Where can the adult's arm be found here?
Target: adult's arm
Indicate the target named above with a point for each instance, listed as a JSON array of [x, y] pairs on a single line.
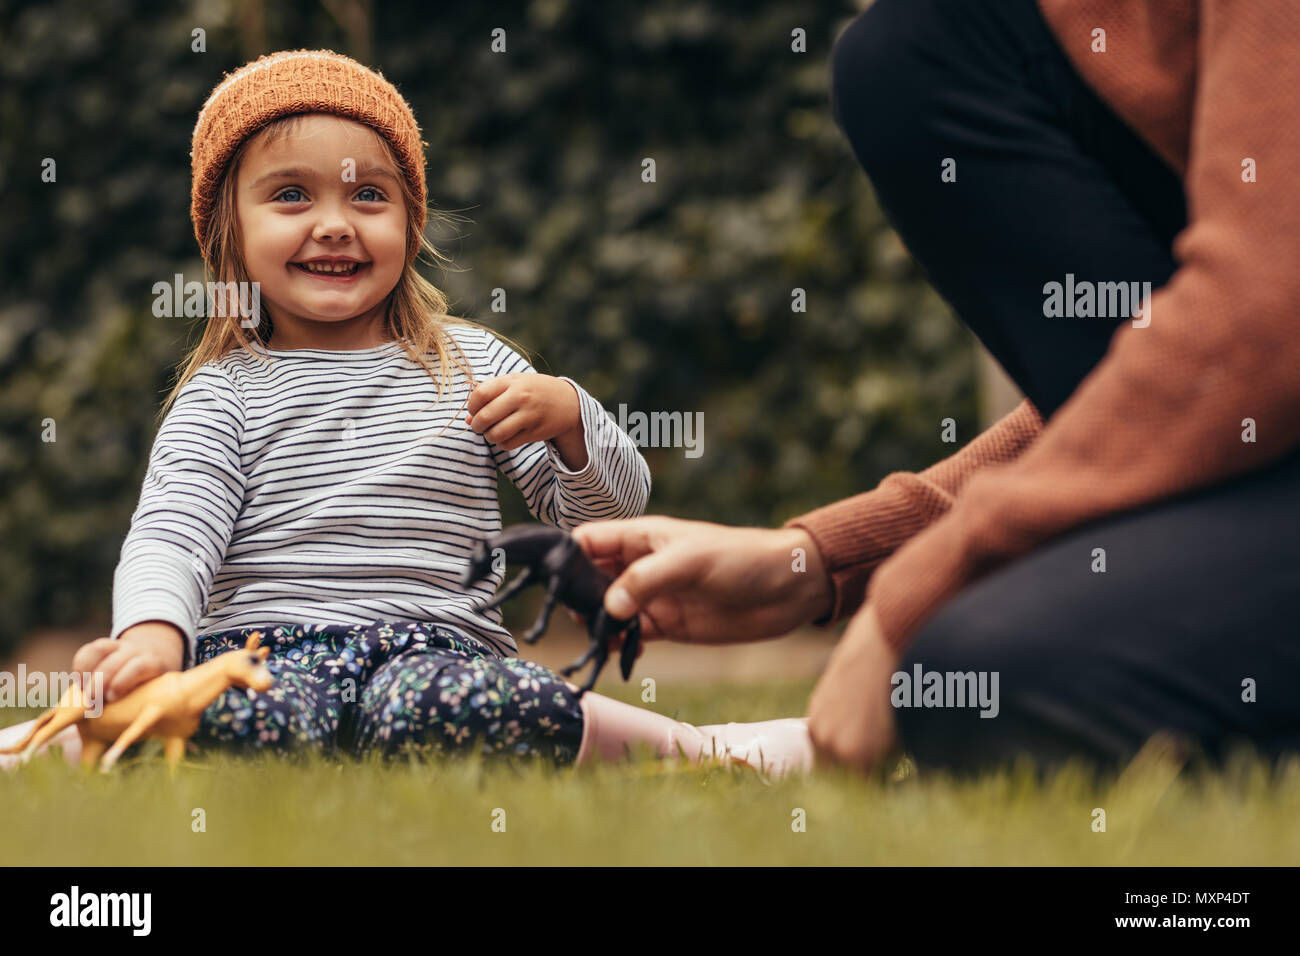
[[855, 535]]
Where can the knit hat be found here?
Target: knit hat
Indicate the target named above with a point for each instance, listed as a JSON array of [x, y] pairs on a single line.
[[298, 81]]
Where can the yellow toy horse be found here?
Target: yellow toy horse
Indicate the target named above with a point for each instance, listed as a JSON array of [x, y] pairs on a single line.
[[169, 706]]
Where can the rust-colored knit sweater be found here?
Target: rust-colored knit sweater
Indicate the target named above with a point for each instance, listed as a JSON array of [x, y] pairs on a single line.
[[1208, 84]]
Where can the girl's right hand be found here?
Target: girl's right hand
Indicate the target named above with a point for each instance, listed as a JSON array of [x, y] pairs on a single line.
[[706, 583], [141, 653]]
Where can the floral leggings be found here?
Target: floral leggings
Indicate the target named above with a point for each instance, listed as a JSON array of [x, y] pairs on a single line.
[[396, 687]]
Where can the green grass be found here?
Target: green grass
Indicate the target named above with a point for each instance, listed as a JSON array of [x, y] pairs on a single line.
[[263, 810]]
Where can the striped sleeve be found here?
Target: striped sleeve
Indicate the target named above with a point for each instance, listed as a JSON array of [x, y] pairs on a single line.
[[192, 493], [615, 482]]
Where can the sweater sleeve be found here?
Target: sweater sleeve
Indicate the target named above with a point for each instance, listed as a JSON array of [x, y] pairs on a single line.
[[1172, 405], [614, 483], [855, 535], [192, 493]]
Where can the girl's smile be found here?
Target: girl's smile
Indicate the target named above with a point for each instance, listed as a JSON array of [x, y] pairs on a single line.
[[337, 271]]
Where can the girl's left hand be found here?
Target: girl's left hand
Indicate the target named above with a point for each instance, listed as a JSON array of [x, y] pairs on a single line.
[[513, 410], [850, 717]]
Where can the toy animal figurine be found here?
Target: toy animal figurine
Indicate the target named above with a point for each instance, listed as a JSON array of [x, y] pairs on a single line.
[[169, 706], [552, 557]]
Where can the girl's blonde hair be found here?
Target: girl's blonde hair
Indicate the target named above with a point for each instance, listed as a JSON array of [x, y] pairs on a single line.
[[417, 310]]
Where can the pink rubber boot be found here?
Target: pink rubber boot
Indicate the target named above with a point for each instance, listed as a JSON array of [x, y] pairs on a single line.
[[776, 747], [68, 738]]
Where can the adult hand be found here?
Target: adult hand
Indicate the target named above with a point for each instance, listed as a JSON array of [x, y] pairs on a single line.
[[706, 583], [850, 717]]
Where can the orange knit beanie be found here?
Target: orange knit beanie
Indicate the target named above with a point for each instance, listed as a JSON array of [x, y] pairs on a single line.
[[298, 81]]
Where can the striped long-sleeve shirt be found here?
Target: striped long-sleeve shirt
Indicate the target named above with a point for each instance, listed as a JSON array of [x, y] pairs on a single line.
[[334, 487]]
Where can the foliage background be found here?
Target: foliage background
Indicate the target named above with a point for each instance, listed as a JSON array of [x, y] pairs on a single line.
[[666, 296]]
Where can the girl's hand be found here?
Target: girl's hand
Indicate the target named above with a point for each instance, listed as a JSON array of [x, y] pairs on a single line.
[[850, 716], [141, 653], [707, 583], [513, 410]]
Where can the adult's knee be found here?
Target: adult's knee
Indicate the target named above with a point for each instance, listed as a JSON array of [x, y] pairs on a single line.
[[879, 72], [931, 725], [984, 686]]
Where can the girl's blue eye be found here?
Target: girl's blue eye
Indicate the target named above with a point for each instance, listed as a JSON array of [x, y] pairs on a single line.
[[379, 196]]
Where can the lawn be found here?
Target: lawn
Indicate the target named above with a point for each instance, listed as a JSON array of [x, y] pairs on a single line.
[[263, 810]]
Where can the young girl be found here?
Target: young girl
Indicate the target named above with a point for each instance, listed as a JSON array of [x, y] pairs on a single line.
[[316, 481]]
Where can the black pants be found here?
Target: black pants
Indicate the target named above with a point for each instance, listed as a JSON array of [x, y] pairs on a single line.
[[1193, 625]]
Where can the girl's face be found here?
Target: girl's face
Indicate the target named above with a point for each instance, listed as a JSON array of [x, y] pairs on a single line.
[[327, 191]]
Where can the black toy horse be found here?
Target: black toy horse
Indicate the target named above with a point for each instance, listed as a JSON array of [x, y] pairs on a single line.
[[552, 557]]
